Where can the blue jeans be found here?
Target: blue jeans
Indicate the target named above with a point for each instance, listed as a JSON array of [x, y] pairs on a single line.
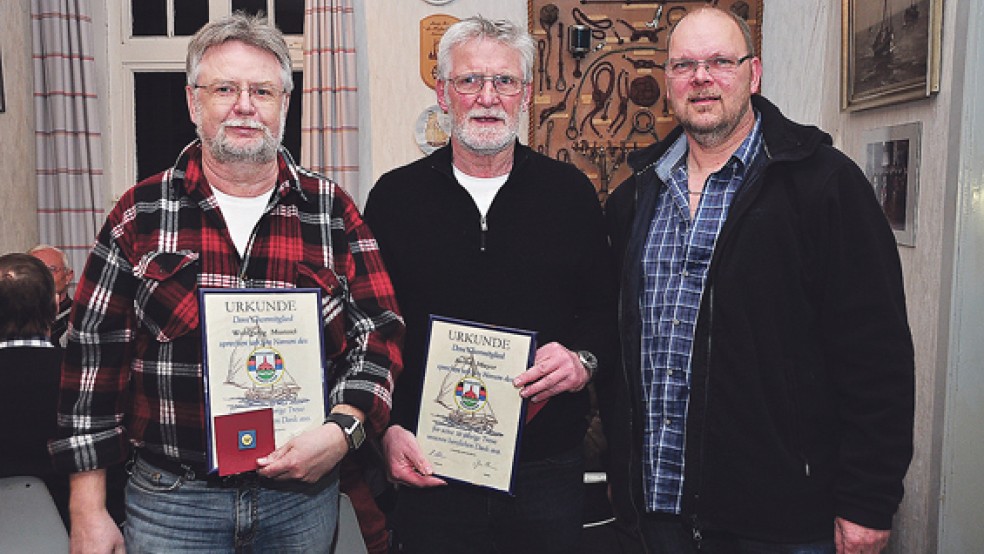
[[671, 535], [166, 512], [544, 515]]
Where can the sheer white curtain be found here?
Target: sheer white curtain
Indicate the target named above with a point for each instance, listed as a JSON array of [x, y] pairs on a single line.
[[68, 135], [330, 102]]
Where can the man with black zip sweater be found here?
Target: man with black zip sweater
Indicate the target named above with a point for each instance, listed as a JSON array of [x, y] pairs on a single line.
[[487, 230], [767, 397]]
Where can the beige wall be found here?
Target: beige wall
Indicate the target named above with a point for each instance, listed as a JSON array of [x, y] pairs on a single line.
[[18, 188]]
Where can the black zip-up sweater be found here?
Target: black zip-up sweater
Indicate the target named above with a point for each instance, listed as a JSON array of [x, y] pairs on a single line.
[[802, 387], [540, 261]]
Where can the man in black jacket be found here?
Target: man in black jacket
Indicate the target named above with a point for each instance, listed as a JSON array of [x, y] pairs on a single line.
[[767, 403], [487, 230]]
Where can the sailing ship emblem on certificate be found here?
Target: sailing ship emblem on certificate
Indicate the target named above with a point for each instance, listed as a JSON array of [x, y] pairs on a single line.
[[471, 415], [262, 351]]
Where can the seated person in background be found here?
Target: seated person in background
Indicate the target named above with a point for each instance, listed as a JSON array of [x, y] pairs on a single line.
[[30, 370], [57, 263]]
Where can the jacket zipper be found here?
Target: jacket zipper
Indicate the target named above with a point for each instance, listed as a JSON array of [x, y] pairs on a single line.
[[694, 522], [625, 376], [485, 230]]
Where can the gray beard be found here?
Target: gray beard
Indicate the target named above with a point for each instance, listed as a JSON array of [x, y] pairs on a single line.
[[486, 148], [709, 137], [224, 152]]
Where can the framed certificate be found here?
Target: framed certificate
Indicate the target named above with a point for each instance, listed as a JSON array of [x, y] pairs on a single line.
[[471, 416], [262, 366]]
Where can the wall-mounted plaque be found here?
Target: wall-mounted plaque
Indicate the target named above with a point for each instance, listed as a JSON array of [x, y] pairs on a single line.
[[432, 28]]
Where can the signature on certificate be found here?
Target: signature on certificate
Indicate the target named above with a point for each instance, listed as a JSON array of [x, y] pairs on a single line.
[[435, 454], [484, 464]]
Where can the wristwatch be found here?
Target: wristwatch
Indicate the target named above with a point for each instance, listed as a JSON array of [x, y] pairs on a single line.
[[355, 433], [589, 361]]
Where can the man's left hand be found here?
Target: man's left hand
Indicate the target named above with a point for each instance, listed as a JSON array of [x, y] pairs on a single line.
[[851, 538], [555, 370], [306, 457]]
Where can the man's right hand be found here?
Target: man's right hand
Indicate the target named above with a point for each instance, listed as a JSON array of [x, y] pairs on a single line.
[[96, 533], [405, 463], [93, 529]]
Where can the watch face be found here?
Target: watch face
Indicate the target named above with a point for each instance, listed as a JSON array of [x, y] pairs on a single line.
[[588, 360], [357, 436]]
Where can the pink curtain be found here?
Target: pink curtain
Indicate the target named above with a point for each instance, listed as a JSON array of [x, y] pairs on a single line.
[[330, 102], [68, 135]]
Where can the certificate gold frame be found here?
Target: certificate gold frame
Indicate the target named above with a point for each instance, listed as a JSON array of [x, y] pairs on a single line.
[[891, 163], [890, 51]]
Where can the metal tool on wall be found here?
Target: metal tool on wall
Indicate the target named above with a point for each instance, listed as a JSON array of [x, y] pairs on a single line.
[[561, 85], [549, 14], [610, 103], [579, 43]]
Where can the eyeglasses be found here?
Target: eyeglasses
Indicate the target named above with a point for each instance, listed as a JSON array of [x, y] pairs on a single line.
[[473, 83], [57, 268], [718, 66], [226, 93]]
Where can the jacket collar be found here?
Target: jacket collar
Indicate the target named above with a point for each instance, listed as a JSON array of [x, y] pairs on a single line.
[[442, 158]]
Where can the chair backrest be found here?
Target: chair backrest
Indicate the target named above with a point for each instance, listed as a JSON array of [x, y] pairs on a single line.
[[348, 539], [29, 521]]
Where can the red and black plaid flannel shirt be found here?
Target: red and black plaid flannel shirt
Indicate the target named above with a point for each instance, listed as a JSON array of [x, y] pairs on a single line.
[[132, 369]]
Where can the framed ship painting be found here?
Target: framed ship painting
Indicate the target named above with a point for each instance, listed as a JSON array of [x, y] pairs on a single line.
[[890, 51]]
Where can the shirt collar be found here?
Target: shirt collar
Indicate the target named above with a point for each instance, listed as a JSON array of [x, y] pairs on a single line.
[[37, 342], [744, 154], [188, 170]]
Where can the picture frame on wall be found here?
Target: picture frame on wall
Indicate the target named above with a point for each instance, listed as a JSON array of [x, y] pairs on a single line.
[[891, 163], [890, 51]]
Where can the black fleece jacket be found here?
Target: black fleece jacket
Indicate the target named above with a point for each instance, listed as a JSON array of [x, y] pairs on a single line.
[[540, 261], [802, 387]]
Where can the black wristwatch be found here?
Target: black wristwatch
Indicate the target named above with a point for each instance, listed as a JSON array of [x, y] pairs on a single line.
[[355, 433], [589, 361]]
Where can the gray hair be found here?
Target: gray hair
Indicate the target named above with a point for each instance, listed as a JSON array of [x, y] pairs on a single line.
[[478, 27], [42, 247], [746, 31], [245, 28]]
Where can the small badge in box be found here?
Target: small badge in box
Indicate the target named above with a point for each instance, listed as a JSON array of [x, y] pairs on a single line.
[[241, 438]]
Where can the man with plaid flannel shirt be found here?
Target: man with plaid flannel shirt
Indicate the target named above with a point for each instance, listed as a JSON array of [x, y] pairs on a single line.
[[234, 211]]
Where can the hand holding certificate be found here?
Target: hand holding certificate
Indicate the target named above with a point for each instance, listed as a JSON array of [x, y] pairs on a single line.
[[263, 371], [471, 415]]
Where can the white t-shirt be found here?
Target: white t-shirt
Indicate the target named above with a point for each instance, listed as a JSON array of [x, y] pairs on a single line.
[[241, 215], [481, 189]]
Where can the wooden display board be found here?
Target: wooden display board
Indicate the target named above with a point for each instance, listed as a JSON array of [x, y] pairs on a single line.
[[598, 90]]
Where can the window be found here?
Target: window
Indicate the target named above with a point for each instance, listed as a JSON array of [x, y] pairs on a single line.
[[176, 18]]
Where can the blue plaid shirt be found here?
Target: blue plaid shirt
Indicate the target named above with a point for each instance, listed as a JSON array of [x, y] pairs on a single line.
[[675, 263]]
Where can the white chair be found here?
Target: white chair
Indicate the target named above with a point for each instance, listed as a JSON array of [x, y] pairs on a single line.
[[29, 521], [348, 539]]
